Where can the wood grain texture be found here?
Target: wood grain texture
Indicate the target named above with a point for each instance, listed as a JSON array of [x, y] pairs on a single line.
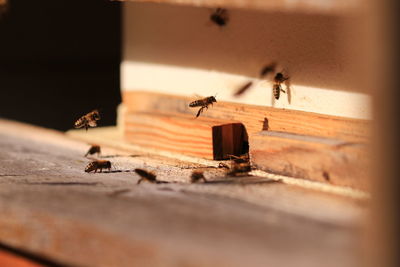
[[308, 6], [202, 137], [320, 159], [253, 117], [49, 206]]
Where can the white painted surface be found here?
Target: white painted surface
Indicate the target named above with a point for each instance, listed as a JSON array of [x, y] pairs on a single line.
[[174, 49], [189, 82]]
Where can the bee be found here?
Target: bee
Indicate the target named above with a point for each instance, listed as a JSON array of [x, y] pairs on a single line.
[[146, 175], [197, 176], [87, 120], [265, 124], [243, 88], [203, 103], [220, 17], [98, 164], [93, 150], [223, 165], [237, 168], [277, 88], [267, 69], [239, 164]]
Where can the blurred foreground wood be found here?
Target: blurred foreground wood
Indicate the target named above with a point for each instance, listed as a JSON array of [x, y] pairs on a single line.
[[52, 208]]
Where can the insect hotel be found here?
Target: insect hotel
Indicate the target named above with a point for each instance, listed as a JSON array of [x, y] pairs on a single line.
[[243, 138]]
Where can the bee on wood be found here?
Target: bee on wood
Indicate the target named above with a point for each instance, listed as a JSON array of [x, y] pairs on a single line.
[[239, 168], [93, 150], [223, 166], [98, 164], [239, 164], [277, 88], [220, 17], [88, 120], [243, 89], [267, 69], [203, 103], [265, 124], [197, 176], [146, 176]]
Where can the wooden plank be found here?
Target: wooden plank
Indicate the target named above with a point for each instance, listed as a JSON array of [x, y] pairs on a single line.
[[52, 208], [315, 6], [320, 159], [253, 117], [202, 137], [10, 259]]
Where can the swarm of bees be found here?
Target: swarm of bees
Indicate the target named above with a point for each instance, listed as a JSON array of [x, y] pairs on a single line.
[[203, 104], [220, 17], [88, 120]]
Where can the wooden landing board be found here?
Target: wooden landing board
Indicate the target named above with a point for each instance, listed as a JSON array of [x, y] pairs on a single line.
[[320, 159], [201, 137], [253, 117], [50, 207]]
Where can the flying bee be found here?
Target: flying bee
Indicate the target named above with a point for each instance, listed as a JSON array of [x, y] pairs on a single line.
[[146, 176], [93, 150], [277, 88], [220, 17], [197, 176], [267, 69], [88, 120], [203, 103], [243, 88], [98, 164]]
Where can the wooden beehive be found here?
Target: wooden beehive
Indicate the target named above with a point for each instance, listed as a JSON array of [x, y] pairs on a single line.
[[173, 52]]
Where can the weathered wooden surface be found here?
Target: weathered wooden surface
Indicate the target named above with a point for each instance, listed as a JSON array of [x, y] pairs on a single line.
[[185, 134], [320, 159], [253, 117], [50, 207]]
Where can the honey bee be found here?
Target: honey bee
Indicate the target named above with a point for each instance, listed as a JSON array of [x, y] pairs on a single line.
[[146, 176], [203, 103], [88, 120], [277, 88], [243, 88], [239, 168], [239, 165], [98, 164], [197, 176], [265, 124], [223, 165], [93, 149], [220, 17], [267, 69]]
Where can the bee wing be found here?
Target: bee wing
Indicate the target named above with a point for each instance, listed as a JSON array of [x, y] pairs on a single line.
[[92, 123], [272, 97]]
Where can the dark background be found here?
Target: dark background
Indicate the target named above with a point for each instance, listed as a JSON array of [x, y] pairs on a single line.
[[59, 59]]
